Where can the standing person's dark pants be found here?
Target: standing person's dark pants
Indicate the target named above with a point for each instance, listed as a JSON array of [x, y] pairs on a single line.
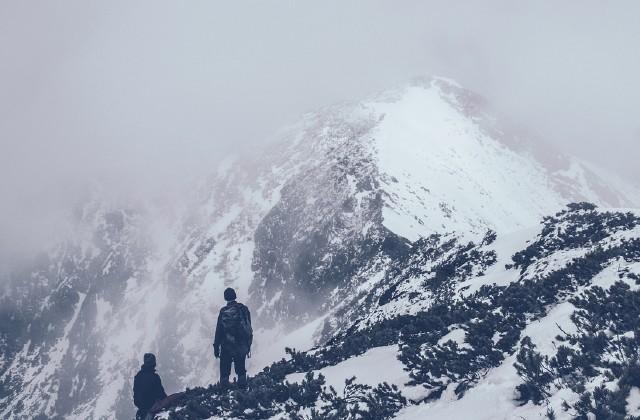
[[227, 357]]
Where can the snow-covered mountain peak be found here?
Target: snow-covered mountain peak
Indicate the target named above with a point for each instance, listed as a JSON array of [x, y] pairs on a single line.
[[443, 164], [442, 172], [359, 217]]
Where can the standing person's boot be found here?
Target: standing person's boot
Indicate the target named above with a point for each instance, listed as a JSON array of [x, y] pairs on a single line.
[[225, 368], [242, 381]]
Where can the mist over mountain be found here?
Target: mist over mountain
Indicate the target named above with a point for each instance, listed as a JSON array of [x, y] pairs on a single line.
[[145, 99]]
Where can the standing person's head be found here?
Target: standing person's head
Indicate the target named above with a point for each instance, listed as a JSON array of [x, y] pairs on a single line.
[[229, 294], [149, 360]]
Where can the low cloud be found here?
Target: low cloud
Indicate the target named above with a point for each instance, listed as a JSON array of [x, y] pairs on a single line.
[[147, 97]]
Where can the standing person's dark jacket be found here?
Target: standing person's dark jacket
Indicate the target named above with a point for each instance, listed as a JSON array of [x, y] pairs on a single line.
[[147, 386], [229, 338]]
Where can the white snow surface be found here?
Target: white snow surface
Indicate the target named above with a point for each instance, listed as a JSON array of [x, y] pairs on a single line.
[[441, 172], [377, 365], [633, 402], [456, 335]]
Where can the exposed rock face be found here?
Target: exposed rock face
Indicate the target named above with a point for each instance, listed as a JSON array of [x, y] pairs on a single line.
[[55, 312]]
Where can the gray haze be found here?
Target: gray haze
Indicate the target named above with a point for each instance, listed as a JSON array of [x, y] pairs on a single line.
[[146, 96]]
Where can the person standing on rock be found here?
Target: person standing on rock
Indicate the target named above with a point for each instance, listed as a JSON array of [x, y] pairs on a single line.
[[147, 387], [233, 338]]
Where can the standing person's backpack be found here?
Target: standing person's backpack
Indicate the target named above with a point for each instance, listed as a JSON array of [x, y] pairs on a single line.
[[236, 321]]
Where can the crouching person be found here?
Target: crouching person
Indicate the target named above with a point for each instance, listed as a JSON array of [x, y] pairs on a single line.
[[147, 387], [233, 339]]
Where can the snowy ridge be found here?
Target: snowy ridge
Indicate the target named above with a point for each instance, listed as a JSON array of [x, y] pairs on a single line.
[[442, 173]]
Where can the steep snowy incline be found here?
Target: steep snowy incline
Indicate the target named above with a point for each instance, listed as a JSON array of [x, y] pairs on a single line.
[[442, 173], [442, 170]]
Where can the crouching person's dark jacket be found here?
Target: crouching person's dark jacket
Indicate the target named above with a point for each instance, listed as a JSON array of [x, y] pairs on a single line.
[[147, 389]]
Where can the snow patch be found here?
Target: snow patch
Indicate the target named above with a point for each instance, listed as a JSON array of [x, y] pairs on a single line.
[[633, 402], [457, 335], [379, 364]]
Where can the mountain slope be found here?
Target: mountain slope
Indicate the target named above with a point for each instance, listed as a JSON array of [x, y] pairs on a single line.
[[329, 233], [559, 338]]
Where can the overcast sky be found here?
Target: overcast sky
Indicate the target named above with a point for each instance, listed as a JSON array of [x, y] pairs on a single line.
[[147, 95]]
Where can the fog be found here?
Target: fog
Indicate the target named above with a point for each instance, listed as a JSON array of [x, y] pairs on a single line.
[[144, 98]]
